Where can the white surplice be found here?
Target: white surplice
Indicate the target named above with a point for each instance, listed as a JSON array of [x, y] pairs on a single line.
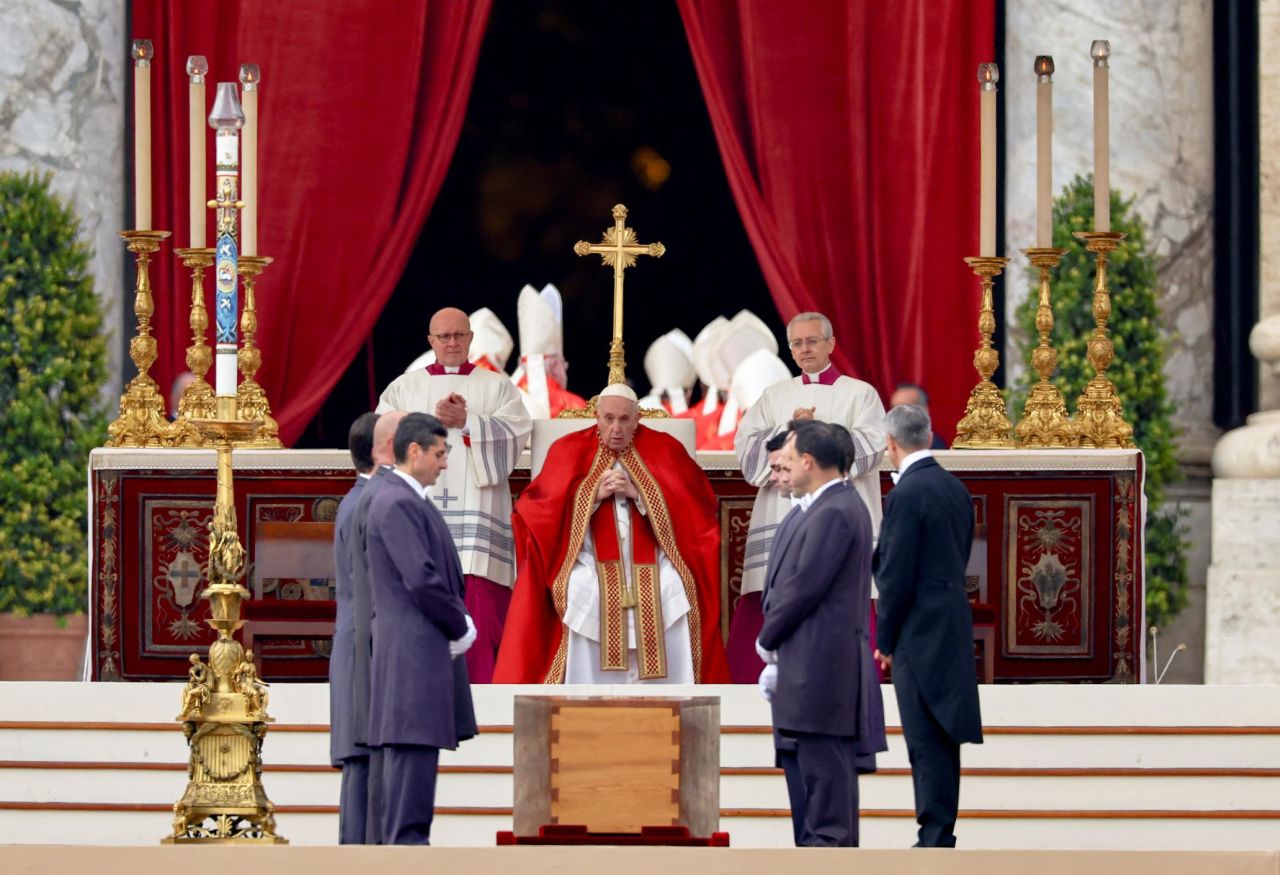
[[472, 493]]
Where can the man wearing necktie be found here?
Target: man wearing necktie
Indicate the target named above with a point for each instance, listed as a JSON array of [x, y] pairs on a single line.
[[819, 393], [827, 696]]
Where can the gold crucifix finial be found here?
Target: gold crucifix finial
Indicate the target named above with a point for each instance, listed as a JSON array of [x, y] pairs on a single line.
[[618, 250]]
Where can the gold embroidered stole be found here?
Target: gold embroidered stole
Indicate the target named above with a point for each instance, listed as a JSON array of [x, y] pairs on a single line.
[[644, 594]]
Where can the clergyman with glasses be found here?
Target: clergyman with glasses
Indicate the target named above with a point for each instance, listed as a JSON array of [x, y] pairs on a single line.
[[819, 392], [488, 428]]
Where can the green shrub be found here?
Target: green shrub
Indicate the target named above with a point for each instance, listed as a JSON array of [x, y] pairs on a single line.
[[1137, 370], [54, 365]]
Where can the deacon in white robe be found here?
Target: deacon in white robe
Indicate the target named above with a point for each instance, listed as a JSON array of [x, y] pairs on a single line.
[[820, 392], [488, 429]]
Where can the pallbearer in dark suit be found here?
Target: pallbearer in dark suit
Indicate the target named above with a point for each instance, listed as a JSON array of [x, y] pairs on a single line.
[[344, 752], [420, 628], [818, 587], [926, 626]]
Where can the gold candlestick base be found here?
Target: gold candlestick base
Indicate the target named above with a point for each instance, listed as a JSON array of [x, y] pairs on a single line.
[[1045, 422], [1100, 419], [250, 396], [142, 421], [224, 704], [985, 424]]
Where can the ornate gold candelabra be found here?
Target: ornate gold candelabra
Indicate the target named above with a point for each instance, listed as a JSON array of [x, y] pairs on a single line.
[[197, 398], [1099, 416], [142, 421], [251, 398], [1045, 422], [985, 424], [224, 704]]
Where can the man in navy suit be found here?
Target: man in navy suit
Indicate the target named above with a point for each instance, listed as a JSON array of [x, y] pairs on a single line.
[[420, 628], [816, 607], [344, 752], [925, 627]]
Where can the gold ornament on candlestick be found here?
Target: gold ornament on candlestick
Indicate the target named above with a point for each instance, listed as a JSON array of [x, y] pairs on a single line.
[[251, 398], [224, 704], [985, 424], [618, 249], [1099, 414], [142, 421], [197, 398], [1045, 422]]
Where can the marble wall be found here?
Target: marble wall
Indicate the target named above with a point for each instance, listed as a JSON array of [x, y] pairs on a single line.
[[1161, 154], [1269, 193], [62, 111]]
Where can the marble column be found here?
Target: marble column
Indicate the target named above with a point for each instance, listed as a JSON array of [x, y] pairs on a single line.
[[62, 111], [1243, 608]]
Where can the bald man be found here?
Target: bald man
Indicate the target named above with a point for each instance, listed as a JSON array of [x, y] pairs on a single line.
[[488, 429]]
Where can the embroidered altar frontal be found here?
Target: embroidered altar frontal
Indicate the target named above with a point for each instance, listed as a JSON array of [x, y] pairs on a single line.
[[1055, 574]]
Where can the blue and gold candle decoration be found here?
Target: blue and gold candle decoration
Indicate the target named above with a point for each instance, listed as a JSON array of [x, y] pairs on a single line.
[[226, 119]]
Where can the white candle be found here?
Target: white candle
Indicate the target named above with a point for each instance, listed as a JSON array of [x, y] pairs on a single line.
[[988, 76], [142, 53], [1044, 151], [197, 67], [250, 79], [1101, 51]]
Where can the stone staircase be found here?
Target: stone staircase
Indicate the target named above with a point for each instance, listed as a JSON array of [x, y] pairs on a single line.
[[1105, 767]]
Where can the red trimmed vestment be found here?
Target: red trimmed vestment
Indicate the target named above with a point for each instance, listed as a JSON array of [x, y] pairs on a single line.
[[552, 519]]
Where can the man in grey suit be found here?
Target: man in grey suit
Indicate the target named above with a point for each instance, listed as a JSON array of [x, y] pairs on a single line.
[[818, 587], [420, 628], [344, 752], [925, 630]]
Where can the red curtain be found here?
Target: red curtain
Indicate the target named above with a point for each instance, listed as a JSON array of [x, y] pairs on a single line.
[[361, 106], [849, 133]]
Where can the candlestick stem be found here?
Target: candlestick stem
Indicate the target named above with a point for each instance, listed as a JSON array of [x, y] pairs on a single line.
[[985, 424], [1045, 422], [251, 397], [1099, 414], [142, 421]]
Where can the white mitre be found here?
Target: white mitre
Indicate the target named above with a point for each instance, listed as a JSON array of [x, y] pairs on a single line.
[[540, 320], [705, 363], [745, 335], [668, 363], [760, 371], [490, 339], [619, 390]]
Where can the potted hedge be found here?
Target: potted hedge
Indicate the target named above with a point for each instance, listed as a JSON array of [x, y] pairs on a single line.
[[1137, 371], [55, 362]]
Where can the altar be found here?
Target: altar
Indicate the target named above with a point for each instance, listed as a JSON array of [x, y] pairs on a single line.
[[1055, 575]]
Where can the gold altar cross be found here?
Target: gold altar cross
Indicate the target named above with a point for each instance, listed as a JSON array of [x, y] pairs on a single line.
[[618, 250]]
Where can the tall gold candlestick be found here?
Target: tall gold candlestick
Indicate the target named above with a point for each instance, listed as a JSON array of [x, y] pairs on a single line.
[[1099, 414], [142, 421], [251, 397], [985, 424], [1045, 422], [197, 398]]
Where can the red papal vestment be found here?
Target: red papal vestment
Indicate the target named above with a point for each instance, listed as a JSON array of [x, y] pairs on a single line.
[[551, 521]]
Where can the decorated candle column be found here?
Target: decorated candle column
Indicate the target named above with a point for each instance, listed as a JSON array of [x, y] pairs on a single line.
[[226, 119]]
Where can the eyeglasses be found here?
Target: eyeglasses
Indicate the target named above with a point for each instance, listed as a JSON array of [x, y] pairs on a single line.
[[452, 337], [806, 342]]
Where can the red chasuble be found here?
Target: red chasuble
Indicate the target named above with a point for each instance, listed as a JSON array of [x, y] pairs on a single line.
[[551, 520]]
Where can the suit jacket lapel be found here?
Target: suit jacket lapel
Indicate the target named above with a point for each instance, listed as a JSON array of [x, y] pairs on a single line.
[[781, 541]]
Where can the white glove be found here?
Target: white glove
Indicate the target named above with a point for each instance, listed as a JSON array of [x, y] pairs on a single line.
[[463, 644], [768, 681], [768, 657]]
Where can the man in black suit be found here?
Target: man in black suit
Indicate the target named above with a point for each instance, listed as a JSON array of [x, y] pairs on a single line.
[[420, 629], [925, 624], [344, 752], [818, 592]]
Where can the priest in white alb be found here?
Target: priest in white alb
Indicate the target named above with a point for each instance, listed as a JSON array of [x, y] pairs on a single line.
[[820, 392], [488, 429]]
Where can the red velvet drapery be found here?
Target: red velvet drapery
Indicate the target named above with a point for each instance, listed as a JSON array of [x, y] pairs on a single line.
[[849, 133], [361, 106]]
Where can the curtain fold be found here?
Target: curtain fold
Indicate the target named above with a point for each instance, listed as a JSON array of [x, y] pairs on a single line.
[[362, 103], [849, 135]]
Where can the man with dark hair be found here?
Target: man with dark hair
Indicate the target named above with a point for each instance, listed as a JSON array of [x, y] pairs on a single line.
[[420, 628], [926, 626], [344, 752], [816, 603], [914, 394]]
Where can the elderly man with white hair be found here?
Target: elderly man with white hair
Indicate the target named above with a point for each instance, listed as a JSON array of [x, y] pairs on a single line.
[[618, 547]]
